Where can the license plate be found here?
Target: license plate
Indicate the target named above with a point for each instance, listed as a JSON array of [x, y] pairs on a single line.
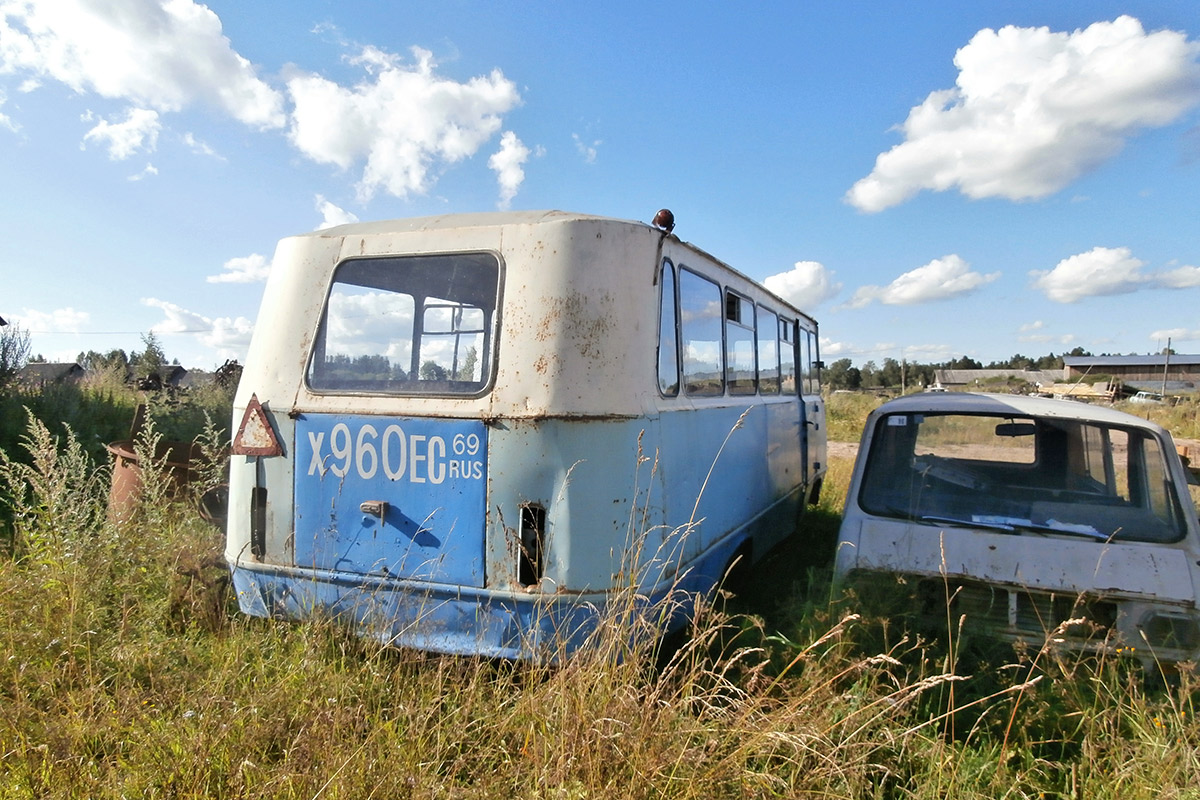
[[391, 496]]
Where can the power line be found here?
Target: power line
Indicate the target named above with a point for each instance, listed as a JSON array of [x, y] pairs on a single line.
[[118, 333]]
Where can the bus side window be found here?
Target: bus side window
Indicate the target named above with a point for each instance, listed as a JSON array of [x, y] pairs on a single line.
[[739, 344], [668, 334], [700, 314], [787, 356], [768, 351]]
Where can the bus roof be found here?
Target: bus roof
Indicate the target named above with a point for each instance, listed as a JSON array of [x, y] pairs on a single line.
[[482, 219], [487, 219]]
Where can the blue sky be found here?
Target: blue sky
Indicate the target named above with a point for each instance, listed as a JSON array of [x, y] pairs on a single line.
[[929, 179]]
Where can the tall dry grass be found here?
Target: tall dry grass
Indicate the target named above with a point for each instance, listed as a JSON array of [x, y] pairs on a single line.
[[125, 671], [1181, 418]]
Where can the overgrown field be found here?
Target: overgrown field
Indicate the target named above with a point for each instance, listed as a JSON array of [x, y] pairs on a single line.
[[125, 671]]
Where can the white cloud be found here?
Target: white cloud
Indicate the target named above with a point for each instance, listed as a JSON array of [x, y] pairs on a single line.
[[1179, 278], [157, 54], [929, 353], [147, 171], [588, 151], [200, 148], [404, 123], [1034, 109], [830, 348], [5, 120], [1099, 271], [137, 132], [60, 320], [229, 336], [247, 269], [941, 279], [806, 285], [1107, 271], [1177, 335], [1029, 333], [178, 319], [506, 163], [332, 215], [1046, 338]]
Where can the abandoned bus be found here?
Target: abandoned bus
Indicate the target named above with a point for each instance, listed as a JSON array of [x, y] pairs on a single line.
[[468, 433]]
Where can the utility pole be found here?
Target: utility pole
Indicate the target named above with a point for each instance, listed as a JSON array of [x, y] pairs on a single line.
[[1166, 366]]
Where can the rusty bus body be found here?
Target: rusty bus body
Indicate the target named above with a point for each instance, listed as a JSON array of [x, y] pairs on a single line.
[[468, 433]]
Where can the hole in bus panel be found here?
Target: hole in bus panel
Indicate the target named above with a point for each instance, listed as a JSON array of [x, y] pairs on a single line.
[[530, 562], [409, 325]]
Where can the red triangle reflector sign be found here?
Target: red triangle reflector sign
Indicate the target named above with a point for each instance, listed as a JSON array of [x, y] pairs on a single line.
[[255, 436]]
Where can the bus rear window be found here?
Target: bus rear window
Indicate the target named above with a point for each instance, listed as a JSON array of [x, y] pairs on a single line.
[[409, 325]]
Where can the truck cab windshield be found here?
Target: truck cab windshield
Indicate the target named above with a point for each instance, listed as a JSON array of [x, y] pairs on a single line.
[[1022, 474]]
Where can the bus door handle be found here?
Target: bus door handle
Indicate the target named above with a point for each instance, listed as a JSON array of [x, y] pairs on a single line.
[[374, 508]]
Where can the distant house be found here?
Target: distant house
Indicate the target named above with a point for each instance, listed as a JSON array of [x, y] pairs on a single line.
[[42, 373], [168, 376], [1180, 372], [194, 379], [173, 375]]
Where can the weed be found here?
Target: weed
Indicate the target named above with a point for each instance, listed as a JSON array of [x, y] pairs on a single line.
[[114, 688]]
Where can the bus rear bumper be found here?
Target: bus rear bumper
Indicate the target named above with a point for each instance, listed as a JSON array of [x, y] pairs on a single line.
[[462, 620]]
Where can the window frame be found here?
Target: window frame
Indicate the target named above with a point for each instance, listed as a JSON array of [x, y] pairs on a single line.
[[734, 386], [489, 349], [762, 335], [720, 320], [667, 267]]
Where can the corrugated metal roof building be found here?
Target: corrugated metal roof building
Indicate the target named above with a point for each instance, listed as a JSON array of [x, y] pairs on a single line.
[[1180, 371]]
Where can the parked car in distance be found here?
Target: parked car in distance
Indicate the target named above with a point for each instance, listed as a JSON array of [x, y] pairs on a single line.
[[1146, 397]]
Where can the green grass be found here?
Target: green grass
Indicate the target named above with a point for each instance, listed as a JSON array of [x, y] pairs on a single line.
[[1182, 418], [845, 413], [125, 671]]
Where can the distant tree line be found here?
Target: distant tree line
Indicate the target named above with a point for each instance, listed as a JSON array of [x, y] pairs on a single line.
[[892, 374], [148, 361]]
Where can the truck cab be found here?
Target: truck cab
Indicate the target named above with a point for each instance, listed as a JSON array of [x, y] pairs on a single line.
[[1034, 519]]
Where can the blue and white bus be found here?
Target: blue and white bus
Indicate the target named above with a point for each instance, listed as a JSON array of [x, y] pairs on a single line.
[[468, 433]]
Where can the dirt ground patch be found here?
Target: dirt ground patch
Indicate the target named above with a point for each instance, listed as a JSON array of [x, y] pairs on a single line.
[[847, 450]]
